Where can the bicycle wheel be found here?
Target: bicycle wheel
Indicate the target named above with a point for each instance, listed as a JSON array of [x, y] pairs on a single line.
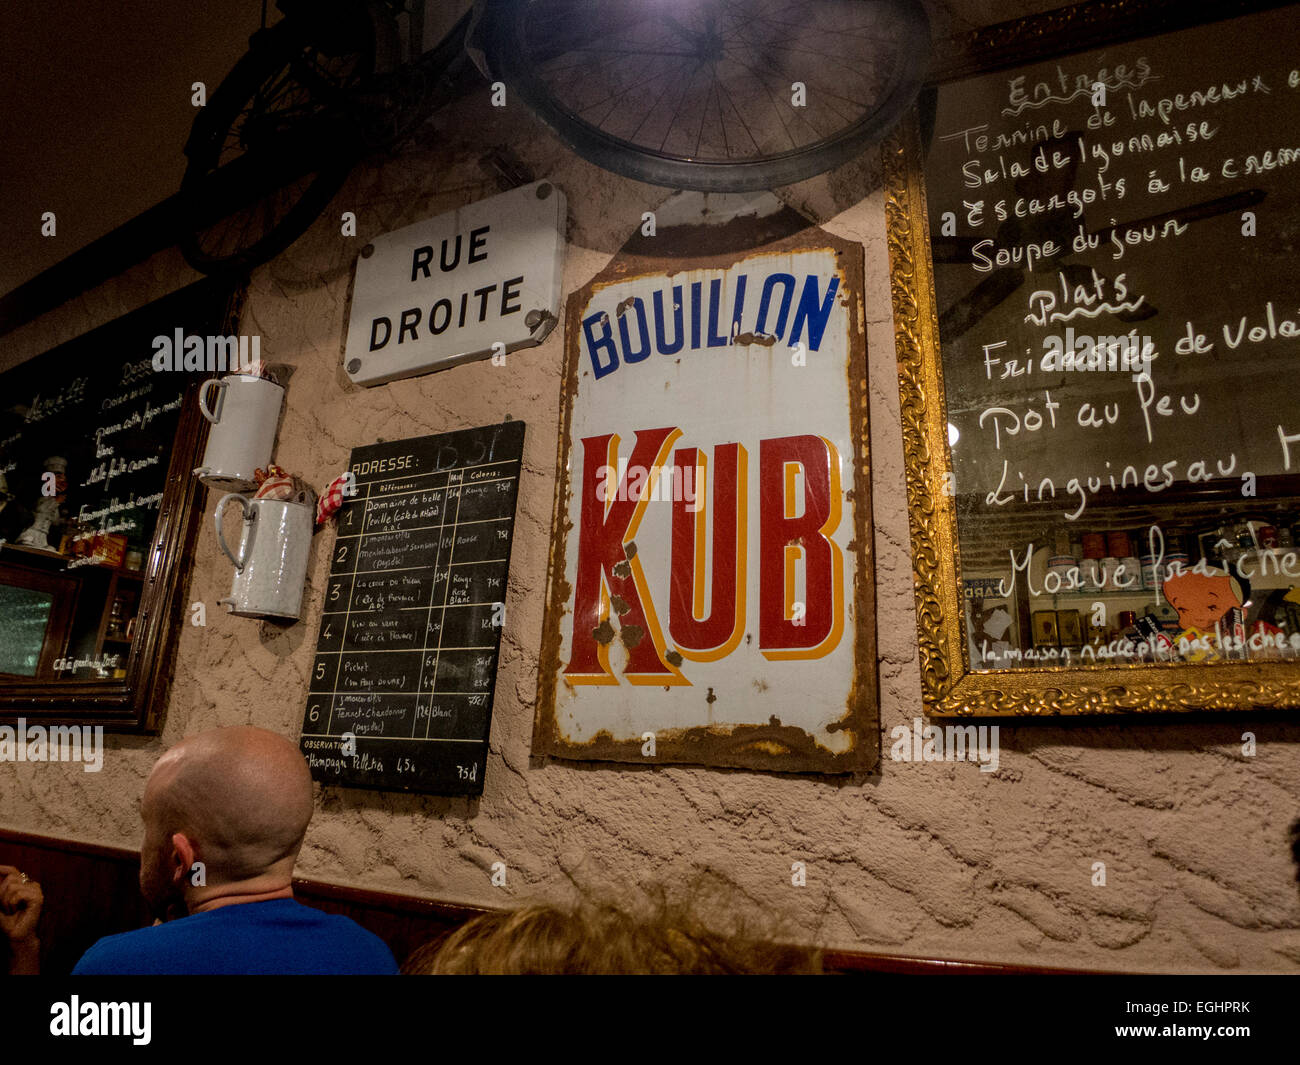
[[707, 94], [270, 150]]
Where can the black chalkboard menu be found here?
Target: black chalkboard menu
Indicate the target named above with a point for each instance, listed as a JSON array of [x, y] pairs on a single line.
[[96, 412], [1114, 237], [401, 687]]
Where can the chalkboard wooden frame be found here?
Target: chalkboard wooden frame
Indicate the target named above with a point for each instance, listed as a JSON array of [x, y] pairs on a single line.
[[135, 703], [348, 745], [949, 687]]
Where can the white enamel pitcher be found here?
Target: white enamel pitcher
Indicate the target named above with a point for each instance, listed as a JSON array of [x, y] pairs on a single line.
[[271, 564], [244, 416]]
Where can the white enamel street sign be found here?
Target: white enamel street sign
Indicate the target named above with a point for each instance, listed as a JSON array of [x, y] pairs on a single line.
[[470, 284]]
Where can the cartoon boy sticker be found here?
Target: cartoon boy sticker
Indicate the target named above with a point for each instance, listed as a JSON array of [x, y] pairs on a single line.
[[1209, 605]]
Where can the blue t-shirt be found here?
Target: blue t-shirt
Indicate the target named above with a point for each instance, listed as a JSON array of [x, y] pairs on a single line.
[[278, 937]]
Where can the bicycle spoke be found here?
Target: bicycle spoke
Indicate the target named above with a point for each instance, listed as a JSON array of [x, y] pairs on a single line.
[[649, 111], [624, 92], [776, 107], [791, 49], [270, 95], [838, 31], [704, 114], [740, 115], [582, 65], [823, 97], [614, 53], [792, 46], [677, 110]]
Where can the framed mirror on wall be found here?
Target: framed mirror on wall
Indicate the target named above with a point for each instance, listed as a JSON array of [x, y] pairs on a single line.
[[1093, 218], [99, 511]]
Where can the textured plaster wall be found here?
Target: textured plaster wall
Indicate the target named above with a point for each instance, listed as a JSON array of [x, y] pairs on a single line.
[[927, 859]]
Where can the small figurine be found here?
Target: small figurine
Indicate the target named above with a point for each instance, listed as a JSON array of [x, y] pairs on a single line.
[[48, 509], [14, 517]]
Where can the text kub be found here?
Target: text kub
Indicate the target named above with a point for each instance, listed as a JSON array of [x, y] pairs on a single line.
[[800, 567]]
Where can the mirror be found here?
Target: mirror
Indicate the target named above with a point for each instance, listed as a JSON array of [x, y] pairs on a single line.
[[98, 514], [1099, 337]]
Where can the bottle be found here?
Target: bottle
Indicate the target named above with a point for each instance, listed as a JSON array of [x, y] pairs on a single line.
[[116, 618]]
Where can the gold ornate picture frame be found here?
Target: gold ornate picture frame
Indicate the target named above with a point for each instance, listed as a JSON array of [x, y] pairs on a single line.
[[951, 685]]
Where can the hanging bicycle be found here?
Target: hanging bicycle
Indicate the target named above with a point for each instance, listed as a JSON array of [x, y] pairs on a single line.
[[714, 95]]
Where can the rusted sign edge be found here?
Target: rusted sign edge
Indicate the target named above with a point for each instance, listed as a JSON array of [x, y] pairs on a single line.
[[773, 747]]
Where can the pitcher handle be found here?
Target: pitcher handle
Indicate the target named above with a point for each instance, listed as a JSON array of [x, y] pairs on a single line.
[[204, 409], [221, 505]]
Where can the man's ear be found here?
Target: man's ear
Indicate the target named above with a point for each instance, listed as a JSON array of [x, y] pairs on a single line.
[[182, 856]]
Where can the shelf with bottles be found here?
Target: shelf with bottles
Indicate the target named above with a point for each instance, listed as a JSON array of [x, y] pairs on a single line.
[[1054, 576], [48, 558], [1233, 571], [117, 623], [1083, 595], [1265, 567]]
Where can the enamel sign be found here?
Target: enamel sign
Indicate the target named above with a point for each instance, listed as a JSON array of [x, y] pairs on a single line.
[[711, 595], [474, 283]]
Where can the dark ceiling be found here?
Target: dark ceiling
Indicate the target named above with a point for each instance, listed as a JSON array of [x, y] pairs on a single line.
[[96, 106], [94, 109]]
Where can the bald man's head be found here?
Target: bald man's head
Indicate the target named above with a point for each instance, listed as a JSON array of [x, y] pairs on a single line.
[[241, 796]]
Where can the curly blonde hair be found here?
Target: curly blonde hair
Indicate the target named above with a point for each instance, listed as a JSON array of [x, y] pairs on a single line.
[[603, 938]]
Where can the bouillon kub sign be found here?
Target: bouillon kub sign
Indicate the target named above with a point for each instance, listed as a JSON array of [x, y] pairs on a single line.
[[711, 595]]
